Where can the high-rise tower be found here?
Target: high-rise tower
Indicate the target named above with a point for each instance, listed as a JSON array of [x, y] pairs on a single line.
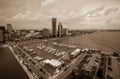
[[60, 29], [54, 22]]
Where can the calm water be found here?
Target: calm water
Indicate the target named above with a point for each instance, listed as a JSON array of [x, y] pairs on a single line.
[[9, 67]]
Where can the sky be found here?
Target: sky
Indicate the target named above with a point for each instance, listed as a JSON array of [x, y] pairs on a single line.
[[74, 14]]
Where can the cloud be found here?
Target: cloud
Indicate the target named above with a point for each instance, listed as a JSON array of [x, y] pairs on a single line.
[[95, 12], [40, 12], [101, 11], [98, 9], [21, 15], [26, 16], [110, 10], [109, 21], [47, 2]]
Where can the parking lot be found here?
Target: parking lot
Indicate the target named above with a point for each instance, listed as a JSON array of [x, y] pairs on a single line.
[[36, 55], [48, 50]]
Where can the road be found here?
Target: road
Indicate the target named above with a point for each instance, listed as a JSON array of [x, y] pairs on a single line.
[[72, 66], [9, 66]]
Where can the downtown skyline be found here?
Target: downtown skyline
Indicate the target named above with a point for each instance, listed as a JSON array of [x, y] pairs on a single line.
[[74, 14]]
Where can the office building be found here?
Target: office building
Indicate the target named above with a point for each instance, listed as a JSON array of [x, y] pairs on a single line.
[[65, 31], [46, 33], [10, 31], [9, 28], [54, 22], [2, 34], [60, 29]]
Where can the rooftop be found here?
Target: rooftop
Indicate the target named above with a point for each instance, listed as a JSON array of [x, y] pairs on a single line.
[[53, 62], [9, 66], [114, 69], [76, 51], [91, 62]]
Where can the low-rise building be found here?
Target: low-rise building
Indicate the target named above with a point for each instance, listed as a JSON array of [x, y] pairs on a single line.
[[90, 67], [75, 53], [53, 62], [38, 58], [46, 33], [53, 66], [65, 32]]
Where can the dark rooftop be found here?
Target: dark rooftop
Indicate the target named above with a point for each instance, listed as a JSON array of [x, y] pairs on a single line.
[[9, 66]]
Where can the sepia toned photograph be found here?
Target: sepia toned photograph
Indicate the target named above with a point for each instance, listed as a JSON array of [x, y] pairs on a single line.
[[59, 39]]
